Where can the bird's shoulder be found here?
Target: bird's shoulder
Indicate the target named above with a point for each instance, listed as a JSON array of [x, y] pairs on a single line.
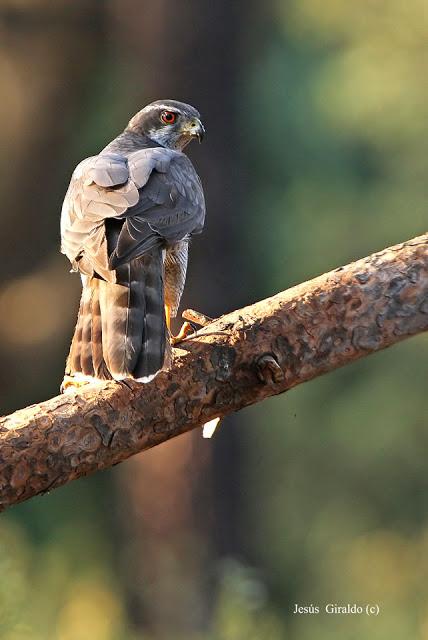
[[157, 188], [111, 169]]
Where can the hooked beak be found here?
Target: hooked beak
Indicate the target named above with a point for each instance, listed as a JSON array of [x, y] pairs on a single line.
[[196, 130], [200, 132]]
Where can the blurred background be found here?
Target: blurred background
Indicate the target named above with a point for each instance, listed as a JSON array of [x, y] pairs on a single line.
[[316, 155]]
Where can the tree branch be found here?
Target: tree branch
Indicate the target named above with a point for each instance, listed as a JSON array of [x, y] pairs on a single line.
[[241, 358]]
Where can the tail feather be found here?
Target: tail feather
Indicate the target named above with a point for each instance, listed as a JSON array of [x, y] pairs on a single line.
[[86, 365], [98, 362], [73, 360], [151, 356], [114, 301], [121, 330]]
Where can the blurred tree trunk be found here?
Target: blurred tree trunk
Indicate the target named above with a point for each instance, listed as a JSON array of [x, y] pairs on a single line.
[[187, 51], [44, 91], [43, 94]]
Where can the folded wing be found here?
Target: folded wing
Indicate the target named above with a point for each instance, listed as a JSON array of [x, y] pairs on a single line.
[[119, 207]]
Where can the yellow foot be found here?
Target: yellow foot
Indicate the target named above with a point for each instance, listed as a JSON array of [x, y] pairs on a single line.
[[73, 383], [186, 330], [194, 317]]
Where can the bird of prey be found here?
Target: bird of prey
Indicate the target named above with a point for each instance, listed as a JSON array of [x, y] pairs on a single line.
[[126, 222]]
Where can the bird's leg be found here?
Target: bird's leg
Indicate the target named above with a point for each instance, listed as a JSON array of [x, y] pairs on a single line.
[[185, 330], [192, 318], [168, 317], [202, 320]]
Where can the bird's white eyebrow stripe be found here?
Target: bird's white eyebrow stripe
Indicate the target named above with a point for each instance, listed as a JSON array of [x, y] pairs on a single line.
[[161, 106]]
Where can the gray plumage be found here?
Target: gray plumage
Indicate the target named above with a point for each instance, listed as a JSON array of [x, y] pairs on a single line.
[[126, 221]]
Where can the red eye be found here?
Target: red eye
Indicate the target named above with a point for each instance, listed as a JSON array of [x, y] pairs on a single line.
[[168, 117]]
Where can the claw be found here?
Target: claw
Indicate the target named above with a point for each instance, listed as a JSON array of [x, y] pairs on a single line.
[[186, 330], [73, 383]]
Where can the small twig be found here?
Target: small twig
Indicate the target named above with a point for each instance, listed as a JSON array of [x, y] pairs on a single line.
[[197, 317]]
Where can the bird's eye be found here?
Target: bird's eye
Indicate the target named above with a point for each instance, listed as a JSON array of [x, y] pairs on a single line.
[[168, 117]]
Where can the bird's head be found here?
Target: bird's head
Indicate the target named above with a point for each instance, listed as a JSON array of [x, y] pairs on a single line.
[[170, 123]]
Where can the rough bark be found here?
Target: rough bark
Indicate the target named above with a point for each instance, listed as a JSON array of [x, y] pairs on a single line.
[[241, 358]]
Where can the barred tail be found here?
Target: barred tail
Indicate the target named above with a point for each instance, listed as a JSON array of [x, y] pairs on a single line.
[[121, 329]]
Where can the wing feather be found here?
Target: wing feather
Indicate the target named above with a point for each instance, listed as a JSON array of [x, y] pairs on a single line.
[[155, 193]]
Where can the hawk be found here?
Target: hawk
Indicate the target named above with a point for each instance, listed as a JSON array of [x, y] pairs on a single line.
[[126, 222]]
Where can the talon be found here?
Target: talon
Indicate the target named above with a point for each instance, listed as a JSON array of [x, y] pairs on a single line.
[[76, 382], [186, 330]]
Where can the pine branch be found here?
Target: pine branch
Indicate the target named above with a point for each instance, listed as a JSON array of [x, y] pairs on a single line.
[[238, 360]]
